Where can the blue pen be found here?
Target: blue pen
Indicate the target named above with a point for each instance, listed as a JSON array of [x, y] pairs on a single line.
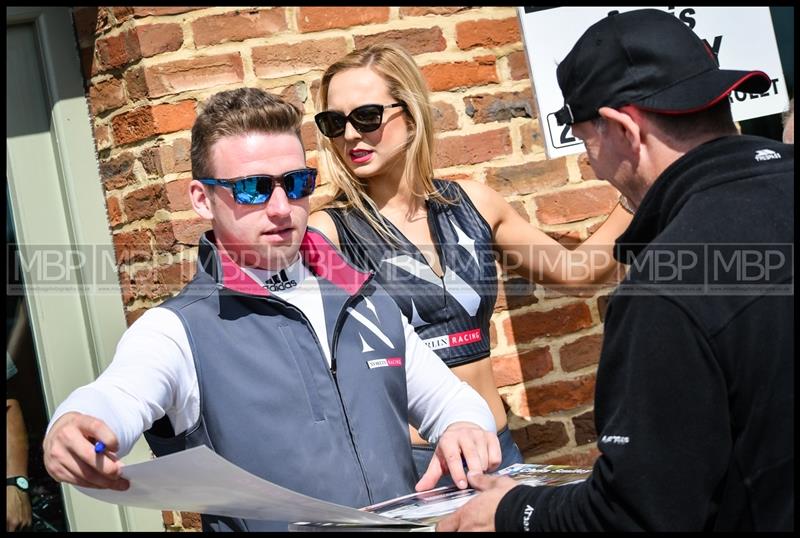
[[99, 447]]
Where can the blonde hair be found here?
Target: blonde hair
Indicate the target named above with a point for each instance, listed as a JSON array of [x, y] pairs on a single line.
[[406, 84]]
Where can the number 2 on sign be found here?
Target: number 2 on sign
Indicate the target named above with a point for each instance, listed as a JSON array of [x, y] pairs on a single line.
[[566, 135]]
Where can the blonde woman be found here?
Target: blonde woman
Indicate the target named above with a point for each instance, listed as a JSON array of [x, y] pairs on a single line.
[[431, 243]]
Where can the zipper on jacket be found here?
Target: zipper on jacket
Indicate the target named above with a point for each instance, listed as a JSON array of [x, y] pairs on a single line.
[[336, 330], [332, 370]]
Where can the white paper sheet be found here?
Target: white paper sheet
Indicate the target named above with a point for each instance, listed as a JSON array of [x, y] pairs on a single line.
[[199, 480]]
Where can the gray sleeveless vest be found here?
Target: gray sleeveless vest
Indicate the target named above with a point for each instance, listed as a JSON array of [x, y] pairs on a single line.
[[270, 404]]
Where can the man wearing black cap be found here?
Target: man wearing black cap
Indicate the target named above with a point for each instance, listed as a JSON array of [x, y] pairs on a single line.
[[694, 403]]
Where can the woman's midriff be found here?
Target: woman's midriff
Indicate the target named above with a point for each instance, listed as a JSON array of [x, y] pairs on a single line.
[[480, 377]]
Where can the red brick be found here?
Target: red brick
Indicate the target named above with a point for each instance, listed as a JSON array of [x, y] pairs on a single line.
[[135, 83], [168, 118], [314, 90], [531, 137], [602, 306], [493, 334], [422, 11], [472, 149], [168, 517], [85, 19], [106, 95], [191, 520], [414, 40], [445, 117], [126, 286], [457, 177], [542, 400], [163, 158], [519, 207], [584, 428], [286, 59], [164, 237], [133, 126], [143, 203], [581, 353], [118, 172], [314, 19], [122, 14], [147, 11], [538, 439], [177, 275], [487, 33], [295, 94], [238, 25], [521, 328], [194, 74], [146, 284], [151, 160], [132, 246], [308, 134], [115, 217], [159, 38], [116, 51], [522, 366], [514, 293], [518, 65], [522, 179], [573, 205], [178, 194], [132, 315], [188, 231], [157, 282], [585, 458], [503, 106], [587, 172], [181, 155], [453, 75], [102, 136], [104, 19]]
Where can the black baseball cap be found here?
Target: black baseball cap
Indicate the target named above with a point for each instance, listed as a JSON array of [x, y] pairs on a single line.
[[649, 59]]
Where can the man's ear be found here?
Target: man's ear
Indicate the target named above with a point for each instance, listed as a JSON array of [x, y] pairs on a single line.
[[626, 123], [201, 202]]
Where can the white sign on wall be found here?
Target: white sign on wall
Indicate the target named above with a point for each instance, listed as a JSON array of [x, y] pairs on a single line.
[[742, 38]]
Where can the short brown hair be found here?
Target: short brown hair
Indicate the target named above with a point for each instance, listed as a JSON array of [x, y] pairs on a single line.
[[236, 112]]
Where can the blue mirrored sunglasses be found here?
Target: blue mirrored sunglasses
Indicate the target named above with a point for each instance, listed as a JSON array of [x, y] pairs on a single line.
[[253, 190]]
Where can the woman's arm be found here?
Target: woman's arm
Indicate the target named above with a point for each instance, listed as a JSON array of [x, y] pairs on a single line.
[[533, 254]]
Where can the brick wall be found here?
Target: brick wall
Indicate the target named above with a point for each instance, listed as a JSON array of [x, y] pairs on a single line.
[[146, 70]]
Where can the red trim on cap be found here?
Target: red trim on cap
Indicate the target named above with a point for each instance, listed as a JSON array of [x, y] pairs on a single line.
[[710, 103]]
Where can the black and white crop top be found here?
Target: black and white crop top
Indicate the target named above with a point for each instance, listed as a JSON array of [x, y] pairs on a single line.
[[450, 313]]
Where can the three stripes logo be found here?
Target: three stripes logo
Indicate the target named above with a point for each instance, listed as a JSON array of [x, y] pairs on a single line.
[[280, 282]]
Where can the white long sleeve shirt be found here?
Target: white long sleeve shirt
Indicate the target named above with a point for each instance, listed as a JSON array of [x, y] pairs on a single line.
[[153, 374]]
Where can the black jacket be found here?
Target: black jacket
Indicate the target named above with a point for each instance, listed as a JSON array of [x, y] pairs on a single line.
[[694, 402]]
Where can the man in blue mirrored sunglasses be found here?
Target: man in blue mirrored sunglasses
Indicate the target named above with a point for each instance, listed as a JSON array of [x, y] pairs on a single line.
[[287, 360], [257, 189]]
